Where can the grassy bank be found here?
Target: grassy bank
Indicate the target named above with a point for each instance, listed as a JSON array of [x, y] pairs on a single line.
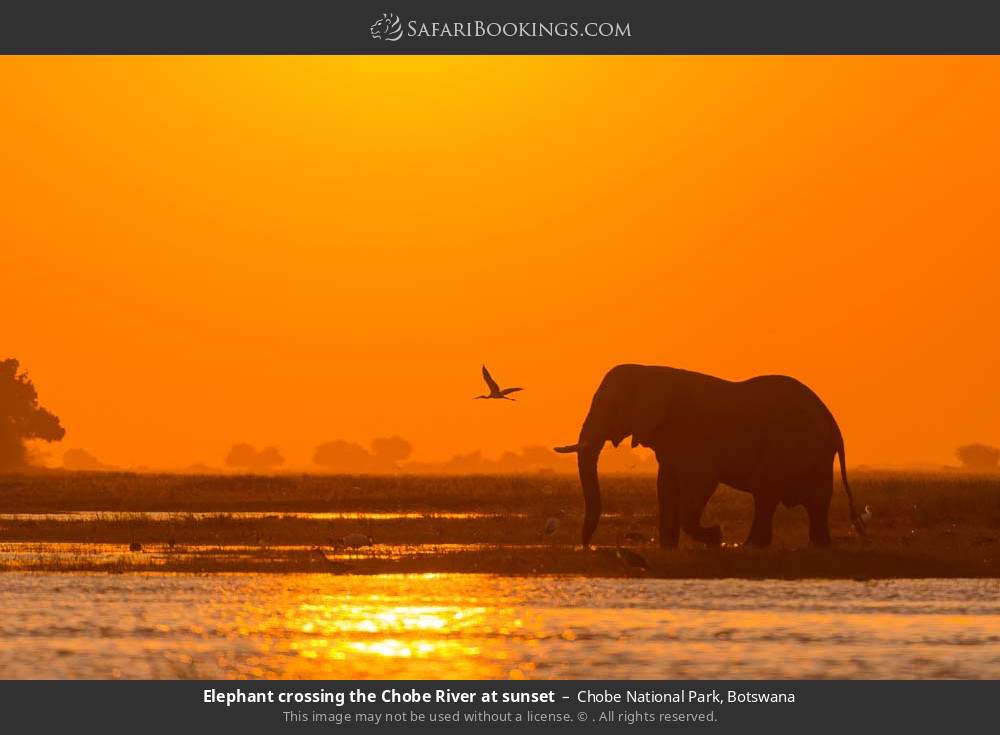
[[923, 525]]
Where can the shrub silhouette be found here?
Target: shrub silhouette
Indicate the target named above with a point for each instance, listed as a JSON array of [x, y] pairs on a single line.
[[389, 451], [82, 460], [21, 418], [343, 456], [244, 456], [978, 456]]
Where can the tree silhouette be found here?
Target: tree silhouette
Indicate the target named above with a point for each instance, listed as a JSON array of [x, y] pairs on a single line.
[[244, 456], [978, 456], [389, 451], [21, 418], [343, 456]]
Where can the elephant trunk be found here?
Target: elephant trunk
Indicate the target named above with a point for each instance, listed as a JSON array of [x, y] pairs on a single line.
[[586, 462], [588, 450]]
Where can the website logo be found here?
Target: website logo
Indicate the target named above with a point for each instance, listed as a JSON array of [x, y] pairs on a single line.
[[387, 28], [390, 28]]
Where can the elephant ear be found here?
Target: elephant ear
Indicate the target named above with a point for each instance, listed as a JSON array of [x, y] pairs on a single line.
[[631, 400], [646, 411]]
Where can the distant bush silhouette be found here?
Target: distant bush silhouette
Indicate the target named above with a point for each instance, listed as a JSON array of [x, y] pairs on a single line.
[[21, 418], [82, 460], [534, 459], [391, 450], [978, 456], [531, 459], [245, 457], [344, 456], [392, 453]]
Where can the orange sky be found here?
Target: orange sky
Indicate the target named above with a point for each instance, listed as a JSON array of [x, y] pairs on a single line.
[[200, 251]]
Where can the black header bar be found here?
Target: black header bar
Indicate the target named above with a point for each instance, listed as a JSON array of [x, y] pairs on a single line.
[[510, 27]]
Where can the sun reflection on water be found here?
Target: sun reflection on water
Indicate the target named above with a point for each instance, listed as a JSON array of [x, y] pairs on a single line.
[[479, 626], [389, 632]]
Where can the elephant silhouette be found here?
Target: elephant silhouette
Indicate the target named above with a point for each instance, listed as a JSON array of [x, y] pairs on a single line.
[[770, 436]]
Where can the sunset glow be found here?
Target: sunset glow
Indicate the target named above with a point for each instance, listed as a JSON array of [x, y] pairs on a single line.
[[285, 251]]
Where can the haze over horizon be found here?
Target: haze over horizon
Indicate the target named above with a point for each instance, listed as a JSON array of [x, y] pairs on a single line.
[[285, 251]]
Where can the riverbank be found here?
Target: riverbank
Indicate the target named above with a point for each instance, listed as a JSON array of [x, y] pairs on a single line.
[[923, 525]]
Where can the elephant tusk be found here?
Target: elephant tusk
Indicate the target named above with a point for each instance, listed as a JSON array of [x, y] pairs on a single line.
[[578, 447]]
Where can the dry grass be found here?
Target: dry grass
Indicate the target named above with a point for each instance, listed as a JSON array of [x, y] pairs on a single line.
[[129, 492], [923, 525]]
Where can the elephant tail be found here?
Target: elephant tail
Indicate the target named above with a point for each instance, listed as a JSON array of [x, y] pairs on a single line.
[[859, 524]]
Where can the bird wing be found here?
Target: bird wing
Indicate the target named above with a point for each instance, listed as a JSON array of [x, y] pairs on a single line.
[[494, 388], [505, 391]]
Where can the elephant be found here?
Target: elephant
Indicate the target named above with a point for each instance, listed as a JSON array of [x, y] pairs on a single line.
[[770, 436]]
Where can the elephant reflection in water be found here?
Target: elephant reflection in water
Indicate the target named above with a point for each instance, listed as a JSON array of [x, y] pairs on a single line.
[[770, 436]]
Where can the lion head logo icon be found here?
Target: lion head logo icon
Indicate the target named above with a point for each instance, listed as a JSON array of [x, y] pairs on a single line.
[[387, 28]]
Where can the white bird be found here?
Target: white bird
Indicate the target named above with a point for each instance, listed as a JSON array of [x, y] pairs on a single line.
[[495, 391], [866, 515], [551, 526]]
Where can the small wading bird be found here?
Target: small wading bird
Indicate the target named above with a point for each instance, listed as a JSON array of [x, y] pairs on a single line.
[[356, 539], [331, 565], [495, 391], [551, 526], [629, 558]]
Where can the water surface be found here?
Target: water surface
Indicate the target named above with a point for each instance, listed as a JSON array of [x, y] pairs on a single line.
[[28, 555], [175, 516], [155, 625]]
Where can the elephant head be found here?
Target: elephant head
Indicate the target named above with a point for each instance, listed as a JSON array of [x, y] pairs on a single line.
[[627, 402]]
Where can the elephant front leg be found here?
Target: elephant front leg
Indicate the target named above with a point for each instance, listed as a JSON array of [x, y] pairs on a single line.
[[669, 501], [694, 500]]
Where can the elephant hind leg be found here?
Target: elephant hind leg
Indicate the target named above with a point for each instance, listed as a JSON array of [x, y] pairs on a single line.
[[818, 508], [667, 491], [763, 519]]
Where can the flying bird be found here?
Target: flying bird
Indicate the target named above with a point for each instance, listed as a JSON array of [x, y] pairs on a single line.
[[495, 391]]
